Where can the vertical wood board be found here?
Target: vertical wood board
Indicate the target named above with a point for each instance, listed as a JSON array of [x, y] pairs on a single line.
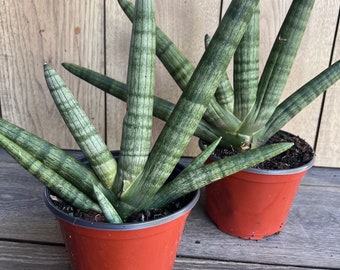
[[328, 148], [34, 32], [312, 58]]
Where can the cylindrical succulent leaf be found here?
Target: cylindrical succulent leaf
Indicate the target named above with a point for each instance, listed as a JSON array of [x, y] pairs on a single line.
[[137, 124], [48, 177], [180, 68], [56, 159], [278, 65], [161, 108], [296, 102], [246, 68], [224, 93], [109, 211], [86, 135], [192, 180]]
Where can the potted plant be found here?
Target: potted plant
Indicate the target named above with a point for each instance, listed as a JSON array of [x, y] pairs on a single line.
[[107, 205], [255, 203], [246, 114]]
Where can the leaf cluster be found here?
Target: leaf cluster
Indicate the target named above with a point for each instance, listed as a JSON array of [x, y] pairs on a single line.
[[138, 180], [247, 112]]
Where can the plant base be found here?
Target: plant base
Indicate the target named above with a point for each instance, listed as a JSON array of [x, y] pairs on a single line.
[[150, 245]]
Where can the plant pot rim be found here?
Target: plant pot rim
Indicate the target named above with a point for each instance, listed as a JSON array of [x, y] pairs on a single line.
[[122, 226], [302, 168]]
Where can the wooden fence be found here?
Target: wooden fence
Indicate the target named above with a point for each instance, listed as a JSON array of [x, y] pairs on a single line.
[[95, 34]]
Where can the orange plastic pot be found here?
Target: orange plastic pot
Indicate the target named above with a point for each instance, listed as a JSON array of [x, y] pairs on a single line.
[[253, 203], [150, 245]]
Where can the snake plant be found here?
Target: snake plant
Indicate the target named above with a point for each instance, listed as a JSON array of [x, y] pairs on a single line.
[[246, 113], [138, 180]]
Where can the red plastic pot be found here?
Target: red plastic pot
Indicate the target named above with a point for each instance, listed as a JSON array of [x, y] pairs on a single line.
[[254, 203], [150, 245]]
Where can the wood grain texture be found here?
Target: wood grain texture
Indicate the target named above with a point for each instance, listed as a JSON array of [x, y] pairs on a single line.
[[186, 23], [183, 263], [15, 256], [313, 57], [33, 32], [20, 190], [328, 148], [309, 239], [32, 256], [35, 256]]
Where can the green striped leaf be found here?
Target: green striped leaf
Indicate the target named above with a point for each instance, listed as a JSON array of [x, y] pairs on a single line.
[[246, 68], [296, 102], [48, 177], [56, 159], [224, 93], [109, 211], [197, 163], [161, 108], [81, 128], [202, 157], [137, 124], [181, 70], [219, 118], [176, 63], [278, 65], [195, 179]]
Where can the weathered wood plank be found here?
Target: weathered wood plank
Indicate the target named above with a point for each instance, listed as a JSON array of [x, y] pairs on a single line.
[[195, 264], [319, 176], [34, 256], [14, 256], [328, 150], [186, 23], [34, 32], [309, 238], [23, 214]]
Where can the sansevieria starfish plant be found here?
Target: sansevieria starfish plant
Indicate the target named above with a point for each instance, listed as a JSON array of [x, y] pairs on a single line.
[[138, 180], [247, 113]]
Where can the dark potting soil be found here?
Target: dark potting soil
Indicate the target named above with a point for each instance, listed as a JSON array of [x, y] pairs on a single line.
[[145, 215], [298, 155]]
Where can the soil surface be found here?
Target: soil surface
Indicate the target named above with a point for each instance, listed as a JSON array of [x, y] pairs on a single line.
[[141, 216], [298, 155]]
